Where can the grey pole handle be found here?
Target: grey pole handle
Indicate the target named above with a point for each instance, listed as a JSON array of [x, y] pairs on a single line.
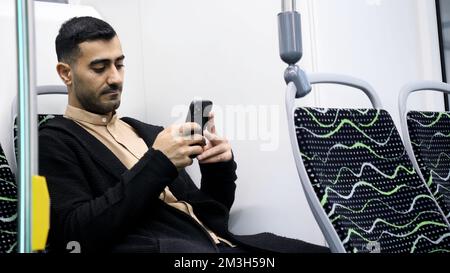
[[291, 49], [324, 78]]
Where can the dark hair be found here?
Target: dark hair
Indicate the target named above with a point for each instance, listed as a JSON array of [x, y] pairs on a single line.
[[78, 30]]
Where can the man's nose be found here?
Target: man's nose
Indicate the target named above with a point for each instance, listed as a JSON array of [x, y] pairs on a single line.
[[114, 77]]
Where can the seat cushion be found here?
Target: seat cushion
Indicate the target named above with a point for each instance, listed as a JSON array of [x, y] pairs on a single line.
[[366, 184]]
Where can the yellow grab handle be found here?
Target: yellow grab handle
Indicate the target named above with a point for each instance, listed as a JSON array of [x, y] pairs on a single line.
[[40, 213]]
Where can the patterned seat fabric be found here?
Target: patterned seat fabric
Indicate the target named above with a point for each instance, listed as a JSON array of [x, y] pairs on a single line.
[[41, 120], [8, 207], [430, 138], [366, 184]]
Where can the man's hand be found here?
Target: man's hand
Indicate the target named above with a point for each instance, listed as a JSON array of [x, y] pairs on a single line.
[[217, 149], [177, 143]]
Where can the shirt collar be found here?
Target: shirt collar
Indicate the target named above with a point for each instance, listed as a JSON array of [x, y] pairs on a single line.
[[78, 114]]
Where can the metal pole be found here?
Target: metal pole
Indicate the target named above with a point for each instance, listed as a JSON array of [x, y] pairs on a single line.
[[27, 120], [288, 5]]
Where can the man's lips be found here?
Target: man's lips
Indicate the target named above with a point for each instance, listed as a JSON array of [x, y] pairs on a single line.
[[109, 92]]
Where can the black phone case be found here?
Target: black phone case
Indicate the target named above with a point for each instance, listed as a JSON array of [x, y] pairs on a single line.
[[199, 113]]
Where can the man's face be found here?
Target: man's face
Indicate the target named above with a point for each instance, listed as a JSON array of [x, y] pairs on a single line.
[[97, 76]]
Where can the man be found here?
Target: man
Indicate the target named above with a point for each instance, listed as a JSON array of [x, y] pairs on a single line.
[[119, 185]]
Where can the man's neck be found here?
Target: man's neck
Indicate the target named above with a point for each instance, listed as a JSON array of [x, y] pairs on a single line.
[[76, 105]]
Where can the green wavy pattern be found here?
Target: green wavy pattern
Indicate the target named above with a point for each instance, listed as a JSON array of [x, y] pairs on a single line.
[[359, 184], [371, 166], [375, 119], [342, 124], [433, 122], [12, 184], [387, 206], [383, 221], [354, 146]]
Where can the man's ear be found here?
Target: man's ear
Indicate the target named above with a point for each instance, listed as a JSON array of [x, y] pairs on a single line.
[[65, 73]]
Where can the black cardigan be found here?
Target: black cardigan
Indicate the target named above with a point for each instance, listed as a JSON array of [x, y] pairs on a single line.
[[98, 202]]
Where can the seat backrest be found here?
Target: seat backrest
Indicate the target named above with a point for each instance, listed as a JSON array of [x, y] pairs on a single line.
[[366, 184], [427, 139], [429, 134], [8, 207], [42, 119]]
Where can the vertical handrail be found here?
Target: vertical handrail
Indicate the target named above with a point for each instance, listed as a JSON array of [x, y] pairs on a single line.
[[27, 123], [288, 5]]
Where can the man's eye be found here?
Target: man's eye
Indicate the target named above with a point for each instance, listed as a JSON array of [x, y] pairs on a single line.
[[98, 69], [119, 66]]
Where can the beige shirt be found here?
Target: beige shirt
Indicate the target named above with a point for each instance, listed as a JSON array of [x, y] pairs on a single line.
[[128, 147]]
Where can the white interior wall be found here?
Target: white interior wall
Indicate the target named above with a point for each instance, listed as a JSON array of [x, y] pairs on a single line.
[[228, 51], [387, 43]]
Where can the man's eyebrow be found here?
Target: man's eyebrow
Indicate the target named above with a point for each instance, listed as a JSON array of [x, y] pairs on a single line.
[[105, 61], [99, 61]]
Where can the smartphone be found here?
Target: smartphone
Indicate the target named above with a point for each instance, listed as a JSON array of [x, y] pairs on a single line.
[[199, 113]]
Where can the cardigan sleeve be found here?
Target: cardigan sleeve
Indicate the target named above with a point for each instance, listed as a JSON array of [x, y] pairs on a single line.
[[96, 221], [217, 184], [218, 181]]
